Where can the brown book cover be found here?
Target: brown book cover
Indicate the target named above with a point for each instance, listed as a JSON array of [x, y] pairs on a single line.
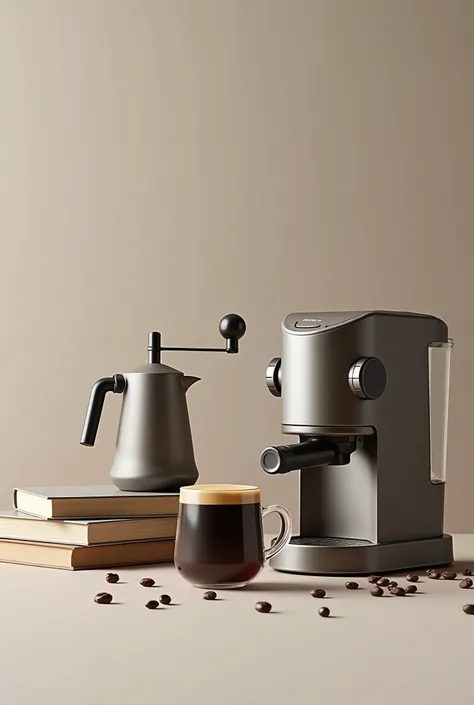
[[91, 501], [85, 532], [49, 555]]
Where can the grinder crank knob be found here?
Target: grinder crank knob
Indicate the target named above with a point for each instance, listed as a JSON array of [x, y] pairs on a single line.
[[232, 327], [368, 378]]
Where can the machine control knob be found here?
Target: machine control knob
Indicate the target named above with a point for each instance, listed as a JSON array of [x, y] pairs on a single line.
[[273, 376], [367, 378]]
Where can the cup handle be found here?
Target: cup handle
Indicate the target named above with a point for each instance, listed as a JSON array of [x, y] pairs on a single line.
[[285, 531]]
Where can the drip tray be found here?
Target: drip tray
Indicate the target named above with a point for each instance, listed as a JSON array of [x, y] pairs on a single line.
[[340, 556], [335, 543]]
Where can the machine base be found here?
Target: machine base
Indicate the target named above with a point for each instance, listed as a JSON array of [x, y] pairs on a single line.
[[326, 556]]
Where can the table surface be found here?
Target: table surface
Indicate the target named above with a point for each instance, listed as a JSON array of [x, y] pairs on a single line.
[[59, 647]]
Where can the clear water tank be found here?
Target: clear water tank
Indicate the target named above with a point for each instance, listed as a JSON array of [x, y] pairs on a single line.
[[439, 362]]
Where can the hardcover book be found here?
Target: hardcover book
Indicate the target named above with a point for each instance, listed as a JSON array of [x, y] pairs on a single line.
[[89, 501]]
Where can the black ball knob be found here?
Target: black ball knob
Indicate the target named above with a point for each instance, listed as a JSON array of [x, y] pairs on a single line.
[[232, 327]]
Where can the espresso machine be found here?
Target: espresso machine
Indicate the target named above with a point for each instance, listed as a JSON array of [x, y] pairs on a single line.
[[366, 393]]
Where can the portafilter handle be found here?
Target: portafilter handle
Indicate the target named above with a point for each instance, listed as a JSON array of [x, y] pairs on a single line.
[[314, 453], [278, 460]]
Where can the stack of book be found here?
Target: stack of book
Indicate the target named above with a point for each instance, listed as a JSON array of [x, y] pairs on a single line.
[[78, 528]]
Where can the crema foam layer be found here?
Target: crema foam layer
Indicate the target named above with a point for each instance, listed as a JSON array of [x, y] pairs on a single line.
[[219, 494]]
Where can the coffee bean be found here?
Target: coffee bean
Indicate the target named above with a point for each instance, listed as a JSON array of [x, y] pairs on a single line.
[[383, 582], [466, 583], [352, 586], [373, 578], [448, 575], [165, 599], [411, 589], [318, 593], [467, 572], [324, 612], [392, 584], [376, 591], [112, 578], [468, 609], [398, 591], [428, 571], [434, 575], [209, 595], [412, 578], [103, 598], [147, 582], [263, 607], [152, 604]]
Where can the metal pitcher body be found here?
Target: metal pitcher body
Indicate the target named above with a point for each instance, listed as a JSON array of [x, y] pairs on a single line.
[[154, 450]]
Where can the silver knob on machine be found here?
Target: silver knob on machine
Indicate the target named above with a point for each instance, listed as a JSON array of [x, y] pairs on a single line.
[[368, 378], [273, 376]]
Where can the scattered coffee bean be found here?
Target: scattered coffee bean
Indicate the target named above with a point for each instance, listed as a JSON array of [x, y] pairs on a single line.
[[434, 575], [318, 593], [263, 607], [112, 578], [152, 604], [374, 578], [147, 582], [352, 586], [209, 595], [376, 591], [383, 582], [467, 572], [103, 598], [466, 583], [398, 591], [411, 589], [392, 583], [468, 609], [165, 599], [412, 578], [448, 575], [324, 612]]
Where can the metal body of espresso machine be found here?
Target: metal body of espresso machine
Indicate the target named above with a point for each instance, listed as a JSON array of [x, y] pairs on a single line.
[[367, 395]]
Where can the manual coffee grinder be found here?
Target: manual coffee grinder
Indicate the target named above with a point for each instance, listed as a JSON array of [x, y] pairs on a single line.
[[154, 447], [367, 395]]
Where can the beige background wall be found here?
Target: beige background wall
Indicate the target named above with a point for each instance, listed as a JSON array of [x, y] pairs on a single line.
[[165, 162]]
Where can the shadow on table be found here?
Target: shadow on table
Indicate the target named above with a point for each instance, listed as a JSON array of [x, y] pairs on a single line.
[[460, 566], [278, 587], [296, 586]]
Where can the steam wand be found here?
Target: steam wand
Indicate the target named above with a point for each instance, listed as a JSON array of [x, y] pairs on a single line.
[[232, 327]]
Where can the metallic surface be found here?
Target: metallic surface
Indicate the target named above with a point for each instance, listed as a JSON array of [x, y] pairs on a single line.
[[359, 558], [154, 449], [367, 378], [273, 376], [385, 494]]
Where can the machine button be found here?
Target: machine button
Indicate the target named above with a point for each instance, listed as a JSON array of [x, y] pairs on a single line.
[[368, 378], [308, 323]]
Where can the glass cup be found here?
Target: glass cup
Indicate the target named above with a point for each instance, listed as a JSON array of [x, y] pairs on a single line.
[[219, 538]]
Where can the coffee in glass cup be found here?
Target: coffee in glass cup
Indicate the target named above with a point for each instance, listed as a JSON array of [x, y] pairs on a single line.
[[219, 538]]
